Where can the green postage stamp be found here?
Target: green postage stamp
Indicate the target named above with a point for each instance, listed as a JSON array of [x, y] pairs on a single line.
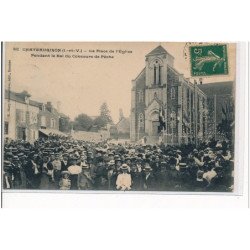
[[209, 60]]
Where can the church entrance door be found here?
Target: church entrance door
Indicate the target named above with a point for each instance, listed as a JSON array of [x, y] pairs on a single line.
[[155, 125]]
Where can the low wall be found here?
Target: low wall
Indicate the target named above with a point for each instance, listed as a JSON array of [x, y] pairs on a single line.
[[90, 136]]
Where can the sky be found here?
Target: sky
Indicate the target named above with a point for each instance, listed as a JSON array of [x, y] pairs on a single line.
[[81, 85]]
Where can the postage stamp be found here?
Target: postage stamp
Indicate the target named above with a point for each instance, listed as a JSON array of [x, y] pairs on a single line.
[[209, 60]]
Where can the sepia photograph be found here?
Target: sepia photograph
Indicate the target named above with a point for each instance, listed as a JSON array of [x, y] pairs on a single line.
[[119, 116]]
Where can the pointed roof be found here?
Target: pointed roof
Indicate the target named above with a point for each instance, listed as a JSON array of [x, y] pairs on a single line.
[[224, 88], [158, 50]]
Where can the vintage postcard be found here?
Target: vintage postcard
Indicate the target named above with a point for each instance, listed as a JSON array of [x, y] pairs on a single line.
[[119, 116]]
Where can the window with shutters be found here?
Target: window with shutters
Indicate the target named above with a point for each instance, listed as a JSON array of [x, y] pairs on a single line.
[[21, 115], [33, 118]]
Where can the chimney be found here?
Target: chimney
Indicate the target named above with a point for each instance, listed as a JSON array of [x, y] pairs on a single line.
[[49, 106], [58, 106]]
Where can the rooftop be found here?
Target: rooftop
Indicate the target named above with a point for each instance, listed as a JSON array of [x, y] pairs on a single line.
[[217, 88], [20, 97], [158, 51]]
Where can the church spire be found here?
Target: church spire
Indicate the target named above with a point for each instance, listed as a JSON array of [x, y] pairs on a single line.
[[157, 51]]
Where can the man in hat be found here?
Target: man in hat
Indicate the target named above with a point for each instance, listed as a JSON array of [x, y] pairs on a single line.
[[111, 175], [46, 173], [148, 178], [32, 171], [197, 158], [111, 156], [155, 164], [92, 166], [176, 172], [222, 180], [162, 177], [7, 175], [123, 181], [65, 162], [52, 155], [17, 181], [57, 166], [136, 175], [85, 182], [139, 166], [8, 156], [118, 163], [101, 174], [23, 162], [184, 176]]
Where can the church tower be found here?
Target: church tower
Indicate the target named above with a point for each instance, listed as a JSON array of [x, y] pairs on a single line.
[[156, 66], [149, 94], [157, 63], [164, 105]]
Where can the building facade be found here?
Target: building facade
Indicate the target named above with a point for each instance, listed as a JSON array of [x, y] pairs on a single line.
[[165, 106], [51, 122], [48, 117], [220, 106], [26, 119], [20, 116], [123, 128]]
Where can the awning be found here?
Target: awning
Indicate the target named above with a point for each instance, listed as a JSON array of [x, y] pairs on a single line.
[[49, 132]]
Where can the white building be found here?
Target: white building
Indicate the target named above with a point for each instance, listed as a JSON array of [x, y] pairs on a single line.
[[20, 116]]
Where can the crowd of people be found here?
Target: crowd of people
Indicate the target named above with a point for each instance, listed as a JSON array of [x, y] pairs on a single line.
[[67, 164]]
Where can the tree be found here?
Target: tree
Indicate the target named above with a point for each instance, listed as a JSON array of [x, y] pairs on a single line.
[[100, 122], [64, 124], [121, 116], [105, 114], [82, 122]]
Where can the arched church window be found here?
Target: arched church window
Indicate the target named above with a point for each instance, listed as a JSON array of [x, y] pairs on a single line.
[[172, 93], [141, 120], [157, 73]]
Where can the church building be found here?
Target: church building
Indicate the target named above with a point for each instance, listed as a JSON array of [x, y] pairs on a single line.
[[165, 106]]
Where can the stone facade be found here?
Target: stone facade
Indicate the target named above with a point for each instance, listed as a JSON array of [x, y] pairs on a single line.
[[20, 116], [48, 117], [159, 90], [123, 128], [24, 118], [220, 105]]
